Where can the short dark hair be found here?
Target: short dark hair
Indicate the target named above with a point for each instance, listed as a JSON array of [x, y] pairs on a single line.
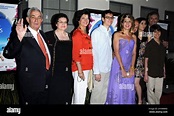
[[139, 19], [56, 17], [106, 12], [155, 27]]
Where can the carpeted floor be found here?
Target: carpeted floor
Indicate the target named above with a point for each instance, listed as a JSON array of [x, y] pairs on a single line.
[[168, 95], [167, 98]]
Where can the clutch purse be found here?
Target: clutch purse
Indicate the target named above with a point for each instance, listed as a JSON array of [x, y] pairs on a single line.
[[90, 81]]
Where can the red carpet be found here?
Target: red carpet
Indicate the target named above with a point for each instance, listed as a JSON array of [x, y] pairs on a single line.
[[167, 98]]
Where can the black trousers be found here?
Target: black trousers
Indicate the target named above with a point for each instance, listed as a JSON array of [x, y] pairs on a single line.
[[36, 97]]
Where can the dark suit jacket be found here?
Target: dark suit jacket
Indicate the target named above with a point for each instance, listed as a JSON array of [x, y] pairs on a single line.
[[31, 70]]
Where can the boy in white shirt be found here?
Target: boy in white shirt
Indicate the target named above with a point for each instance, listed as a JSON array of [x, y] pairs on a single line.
[[102, 54]]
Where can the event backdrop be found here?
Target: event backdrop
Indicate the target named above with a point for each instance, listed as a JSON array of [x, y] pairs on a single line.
[[8, 14], [95, 20]]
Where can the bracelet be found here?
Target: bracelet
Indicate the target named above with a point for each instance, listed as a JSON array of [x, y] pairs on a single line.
[[121, 67], [80, 73], [132, 68]]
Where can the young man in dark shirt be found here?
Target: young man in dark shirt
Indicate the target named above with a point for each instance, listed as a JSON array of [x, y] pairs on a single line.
[[154, 66], [153, 18]]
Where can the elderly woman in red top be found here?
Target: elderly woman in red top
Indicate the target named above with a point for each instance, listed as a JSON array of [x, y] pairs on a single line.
[[82, 55]]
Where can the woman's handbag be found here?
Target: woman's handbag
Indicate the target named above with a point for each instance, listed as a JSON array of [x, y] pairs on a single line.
[[90, 81]]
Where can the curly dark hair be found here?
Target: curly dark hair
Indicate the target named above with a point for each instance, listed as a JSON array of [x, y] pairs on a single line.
[[56, 17], [77, 15]]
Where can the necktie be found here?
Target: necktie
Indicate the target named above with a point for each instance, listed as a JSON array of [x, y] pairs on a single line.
[[42, 46]]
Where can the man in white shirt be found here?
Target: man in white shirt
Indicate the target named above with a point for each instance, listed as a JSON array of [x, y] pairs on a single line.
[[102, 54]]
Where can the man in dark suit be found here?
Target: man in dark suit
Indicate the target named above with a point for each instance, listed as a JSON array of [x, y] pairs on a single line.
[[33, 75]]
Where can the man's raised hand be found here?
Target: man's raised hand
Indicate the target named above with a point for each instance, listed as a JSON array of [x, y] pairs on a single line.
[[20, 29]]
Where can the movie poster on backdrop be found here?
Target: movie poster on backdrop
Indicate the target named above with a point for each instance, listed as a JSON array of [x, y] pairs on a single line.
[[8, 14], [95, 21]]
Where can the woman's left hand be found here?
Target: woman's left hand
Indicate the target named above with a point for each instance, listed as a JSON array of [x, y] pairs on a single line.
[[131, 72]]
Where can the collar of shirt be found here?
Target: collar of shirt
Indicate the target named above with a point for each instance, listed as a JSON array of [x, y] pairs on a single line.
[[83, 34], [33, 32], [103, 28]]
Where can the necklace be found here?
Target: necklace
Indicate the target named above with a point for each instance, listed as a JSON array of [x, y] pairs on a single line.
[[62, 36], [125, 34]]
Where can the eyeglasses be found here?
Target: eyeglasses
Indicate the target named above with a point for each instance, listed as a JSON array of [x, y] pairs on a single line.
[[107, 17], [62, 22]]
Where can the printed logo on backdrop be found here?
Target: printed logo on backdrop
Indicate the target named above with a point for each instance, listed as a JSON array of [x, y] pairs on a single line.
[[95, 21]]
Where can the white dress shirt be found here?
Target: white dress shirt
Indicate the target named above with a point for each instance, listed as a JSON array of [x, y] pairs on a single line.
[[102, 50], [34, 33]]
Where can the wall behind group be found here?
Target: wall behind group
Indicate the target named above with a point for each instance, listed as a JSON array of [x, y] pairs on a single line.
[[93, 4], [161, 5]]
